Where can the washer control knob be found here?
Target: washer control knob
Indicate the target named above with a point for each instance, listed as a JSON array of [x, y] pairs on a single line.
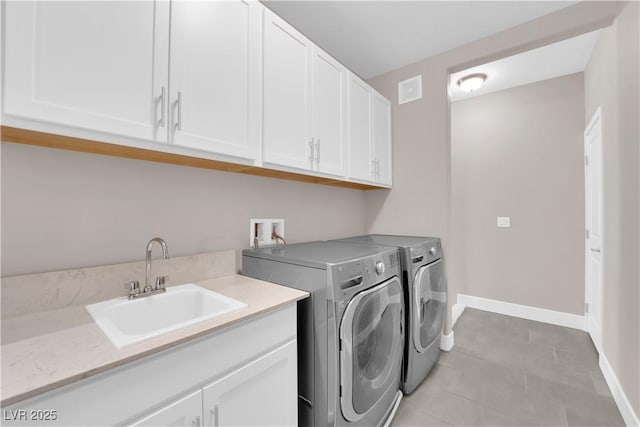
[[379, 267], [432, 250]]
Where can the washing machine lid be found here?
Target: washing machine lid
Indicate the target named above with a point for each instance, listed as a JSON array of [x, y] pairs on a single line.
[[372, 346], [317, 254], [429, 299]]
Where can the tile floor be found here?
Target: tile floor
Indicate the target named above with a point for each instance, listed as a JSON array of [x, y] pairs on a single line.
[[506, 371]]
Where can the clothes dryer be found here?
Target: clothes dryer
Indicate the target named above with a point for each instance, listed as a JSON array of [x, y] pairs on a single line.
[[425, 288], [350, 330]]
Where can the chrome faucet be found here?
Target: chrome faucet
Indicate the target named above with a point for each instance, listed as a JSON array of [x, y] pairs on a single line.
[[160, 280], [134, 286]]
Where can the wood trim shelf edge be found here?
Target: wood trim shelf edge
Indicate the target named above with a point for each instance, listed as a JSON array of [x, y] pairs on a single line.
[[49, 140]]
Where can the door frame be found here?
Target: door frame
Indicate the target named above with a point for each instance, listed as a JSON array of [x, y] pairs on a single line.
[[589, 304]]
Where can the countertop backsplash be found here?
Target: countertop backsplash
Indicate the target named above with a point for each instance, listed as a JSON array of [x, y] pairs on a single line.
[[33, 293]]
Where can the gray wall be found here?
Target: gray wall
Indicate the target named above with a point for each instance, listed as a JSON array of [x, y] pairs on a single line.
[[519, 153], [611, 81], [419, 202], [63, 209]]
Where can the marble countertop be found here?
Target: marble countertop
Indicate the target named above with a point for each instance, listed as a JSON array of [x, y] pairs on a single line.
[[46, 350]]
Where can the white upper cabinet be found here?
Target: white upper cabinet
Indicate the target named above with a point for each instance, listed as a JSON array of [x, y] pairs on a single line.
[[381, 135], [286, 135], [214, 76], [360, 150], [222, 80], [87, 65], [304, 102], [329, 114], [369, 134]]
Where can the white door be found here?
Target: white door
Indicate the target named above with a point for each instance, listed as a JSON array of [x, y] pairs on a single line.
[[262, 393], [329, 114], [287, 137], [594, 233], [360, 153], [97, 65], [184, 412], [215, 76], [381, 135]]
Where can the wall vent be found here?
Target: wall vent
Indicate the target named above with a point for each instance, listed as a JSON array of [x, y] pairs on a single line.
[[410, 89]]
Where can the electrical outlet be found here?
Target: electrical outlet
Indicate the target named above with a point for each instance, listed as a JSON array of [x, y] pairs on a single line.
[[503, 222], [263, 230]]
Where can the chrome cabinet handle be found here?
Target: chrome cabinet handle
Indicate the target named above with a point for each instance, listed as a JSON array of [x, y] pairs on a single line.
[[179, 102], [595, 250], [215, 412], [311, 151], [163, 118], [318, 153]]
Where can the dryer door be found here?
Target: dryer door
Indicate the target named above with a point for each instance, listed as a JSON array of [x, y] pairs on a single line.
[[429, 305], [372, 336]]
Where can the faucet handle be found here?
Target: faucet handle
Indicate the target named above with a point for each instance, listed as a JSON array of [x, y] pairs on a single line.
[[160, 281], [134, 288]]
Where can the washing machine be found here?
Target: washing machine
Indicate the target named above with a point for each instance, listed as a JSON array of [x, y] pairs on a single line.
[[425, 288], [350, 329]]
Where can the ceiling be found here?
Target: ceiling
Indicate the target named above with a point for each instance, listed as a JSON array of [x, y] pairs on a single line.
[[373, 37], [555, 60]]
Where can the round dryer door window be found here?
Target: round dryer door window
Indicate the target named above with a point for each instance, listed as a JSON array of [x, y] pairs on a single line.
[[372, 346], [429, 304]]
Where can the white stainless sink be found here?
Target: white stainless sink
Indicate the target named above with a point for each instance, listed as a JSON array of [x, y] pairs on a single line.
[[127, 321]]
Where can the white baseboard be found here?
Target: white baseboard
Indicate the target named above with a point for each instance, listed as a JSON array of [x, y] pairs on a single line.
[[447, 342], [559, 318], [456, 311], [626, 410]]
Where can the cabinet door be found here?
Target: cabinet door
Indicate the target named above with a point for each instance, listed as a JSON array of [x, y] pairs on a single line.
[[381, 135], [215, 76], [287, 95], [262, 393], [184, 412], [360, 153], [329, 114], [97, 65]]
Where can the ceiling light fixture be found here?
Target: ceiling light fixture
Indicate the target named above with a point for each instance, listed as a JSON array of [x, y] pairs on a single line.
[[472, 82]]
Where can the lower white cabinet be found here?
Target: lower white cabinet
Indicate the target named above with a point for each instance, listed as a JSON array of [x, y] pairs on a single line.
[[245, 374], [267, 385], [183, 412], [262, 393]]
